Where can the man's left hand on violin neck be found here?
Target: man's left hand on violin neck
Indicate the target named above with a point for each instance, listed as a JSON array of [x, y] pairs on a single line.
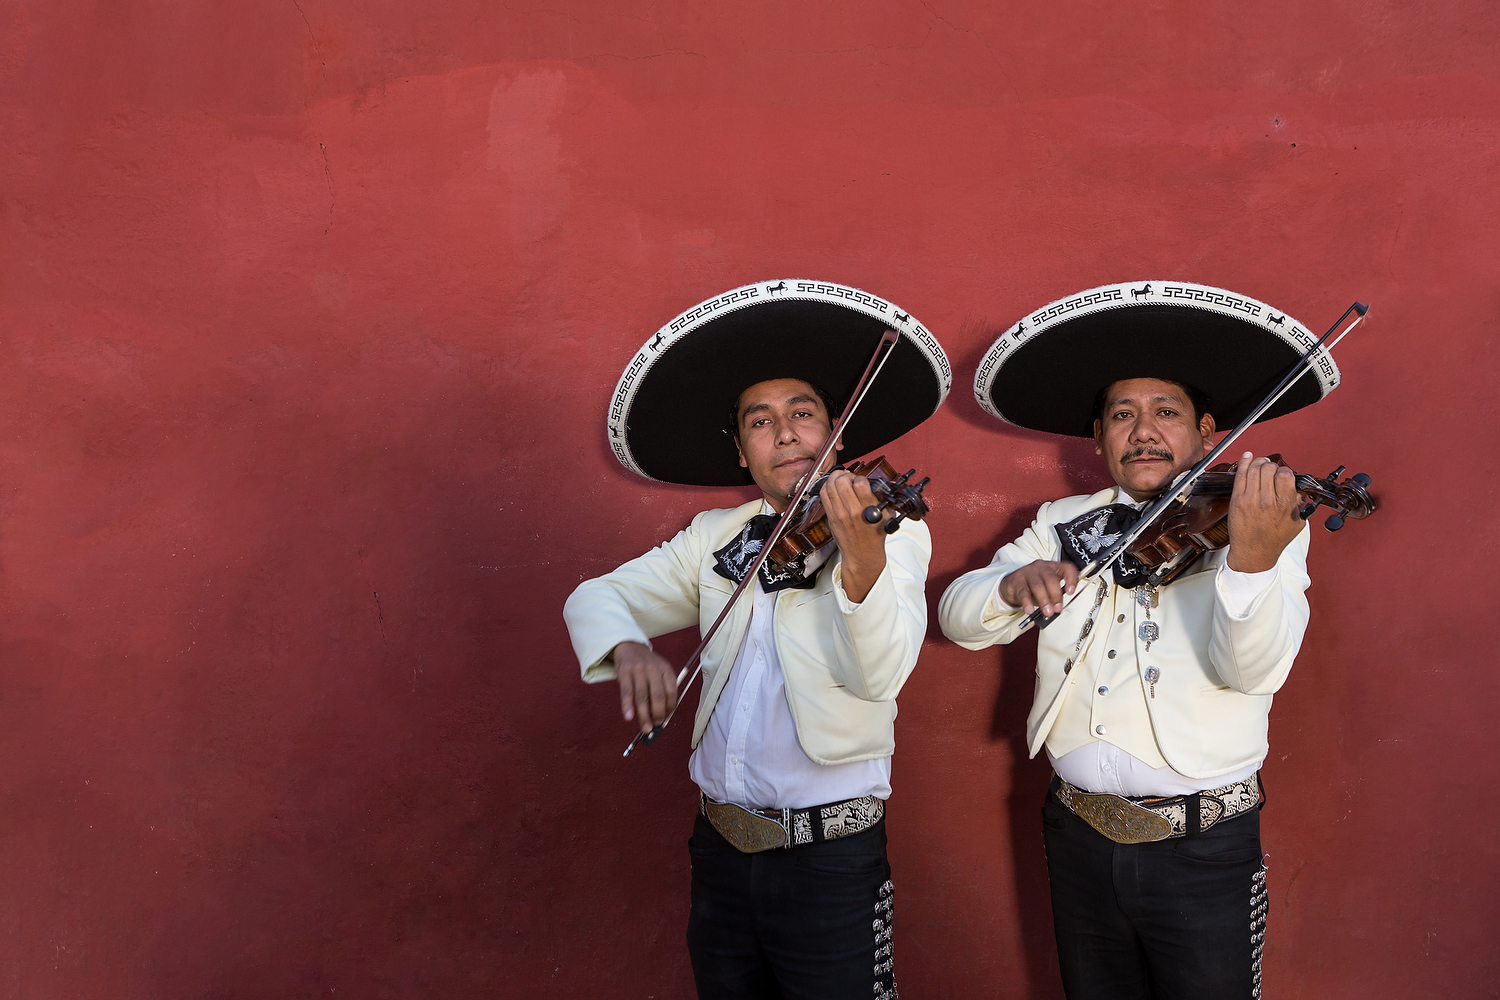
[[1263, 514], [861, 544]]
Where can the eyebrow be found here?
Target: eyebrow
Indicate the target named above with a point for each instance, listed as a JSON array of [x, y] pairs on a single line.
[[1154, 399], [757, 407]]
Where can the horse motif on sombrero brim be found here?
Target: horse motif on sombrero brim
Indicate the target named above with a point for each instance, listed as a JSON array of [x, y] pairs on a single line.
[[1045, 371], [669, 415]]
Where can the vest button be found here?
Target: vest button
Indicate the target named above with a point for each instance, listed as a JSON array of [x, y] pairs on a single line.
[[1120, 619], [1099, 730], [1103, 689], [1111, 654]]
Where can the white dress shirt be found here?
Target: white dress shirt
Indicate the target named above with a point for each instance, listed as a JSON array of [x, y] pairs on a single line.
[[750, 754]]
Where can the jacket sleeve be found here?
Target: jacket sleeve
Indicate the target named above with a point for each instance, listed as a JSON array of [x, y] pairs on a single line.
[[1253, 653], [876, 642], [652, 595], [971, 612]]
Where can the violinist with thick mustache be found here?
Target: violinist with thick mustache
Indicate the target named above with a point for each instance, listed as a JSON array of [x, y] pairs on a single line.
[[795, 727], [1151, 704]]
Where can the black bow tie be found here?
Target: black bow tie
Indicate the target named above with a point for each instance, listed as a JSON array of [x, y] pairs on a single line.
[[1085, 537], [733, 561]]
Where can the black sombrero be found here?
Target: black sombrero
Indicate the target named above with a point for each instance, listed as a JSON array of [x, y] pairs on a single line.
[[1045, 373], [669, 416]]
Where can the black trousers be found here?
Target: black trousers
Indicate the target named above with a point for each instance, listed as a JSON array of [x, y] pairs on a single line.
[[811, 922], [1176, 919]]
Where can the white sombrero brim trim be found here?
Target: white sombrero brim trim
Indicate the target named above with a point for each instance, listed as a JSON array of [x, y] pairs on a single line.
[[743, 297], [1131, 293]]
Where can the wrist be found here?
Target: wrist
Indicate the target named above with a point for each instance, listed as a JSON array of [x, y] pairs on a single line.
[[1250, 560], [858, 578]]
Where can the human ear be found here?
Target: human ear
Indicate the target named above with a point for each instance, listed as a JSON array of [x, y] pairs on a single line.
[[740, 452], [1098, 438]]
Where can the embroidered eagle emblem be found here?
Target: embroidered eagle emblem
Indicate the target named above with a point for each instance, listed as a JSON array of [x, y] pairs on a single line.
[[744, 554], [1095, 540]]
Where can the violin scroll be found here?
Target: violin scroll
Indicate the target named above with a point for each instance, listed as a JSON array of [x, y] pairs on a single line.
[[1351, 498], [906, 500], [810, 530]]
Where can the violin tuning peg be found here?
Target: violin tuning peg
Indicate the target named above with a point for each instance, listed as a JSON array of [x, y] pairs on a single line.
[[1334, 522], [1307, 511], [1360, 479], [894, 523], [872, 514]]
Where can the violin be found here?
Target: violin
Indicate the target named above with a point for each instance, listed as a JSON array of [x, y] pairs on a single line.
[[809, 530], [1187, 528]]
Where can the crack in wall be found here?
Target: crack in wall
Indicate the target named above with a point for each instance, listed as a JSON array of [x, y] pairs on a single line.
[[380, 623], [307, 106]]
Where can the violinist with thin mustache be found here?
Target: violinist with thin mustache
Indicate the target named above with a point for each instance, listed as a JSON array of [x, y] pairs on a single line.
[[794, 732], [1151, 702]]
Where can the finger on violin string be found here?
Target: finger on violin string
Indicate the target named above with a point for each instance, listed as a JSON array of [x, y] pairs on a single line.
[[1242, 473], [1285, 484]]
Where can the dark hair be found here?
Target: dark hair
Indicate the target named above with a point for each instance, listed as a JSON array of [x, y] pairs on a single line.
[[734, 407], [1196, 397]]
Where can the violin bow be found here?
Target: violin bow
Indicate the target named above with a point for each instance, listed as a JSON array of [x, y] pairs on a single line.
[[883, 351], [1184, 486]]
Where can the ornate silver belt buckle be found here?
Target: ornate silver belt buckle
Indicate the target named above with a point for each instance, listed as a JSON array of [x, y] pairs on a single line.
[[749, 832]]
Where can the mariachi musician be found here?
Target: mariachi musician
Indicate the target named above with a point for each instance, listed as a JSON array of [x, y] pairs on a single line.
[[1151, 701], [793, 736]]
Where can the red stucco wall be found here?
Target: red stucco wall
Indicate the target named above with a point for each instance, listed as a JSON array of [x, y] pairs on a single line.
[[308, 315]]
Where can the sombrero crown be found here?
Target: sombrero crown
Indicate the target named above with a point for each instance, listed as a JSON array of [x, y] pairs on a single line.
[[669, 415], [1045, 373]]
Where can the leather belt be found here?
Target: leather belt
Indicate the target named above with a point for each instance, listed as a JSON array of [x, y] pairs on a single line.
[[1142, 820], [755, 830]]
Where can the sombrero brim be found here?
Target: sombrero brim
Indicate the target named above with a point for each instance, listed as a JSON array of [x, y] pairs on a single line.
[[669, 418], [1045, 373]]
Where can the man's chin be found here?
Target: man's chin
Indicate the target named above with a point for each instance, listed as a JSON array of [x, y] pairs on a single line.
[[781, 482], [1145, 482]]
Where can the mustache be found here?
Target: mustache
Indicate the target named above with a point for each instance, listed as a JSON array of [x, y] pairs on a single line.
[[1146, 451]]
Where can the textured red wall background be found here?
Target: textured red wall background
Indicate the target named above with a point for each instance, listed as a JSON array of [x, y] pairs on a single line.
[[308, 315]]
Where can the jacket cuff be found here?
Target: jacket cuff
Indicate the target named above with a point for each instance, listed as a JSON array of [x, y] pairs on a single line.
[[1238, 592], [603, 668], [995, 609], [847, 606]]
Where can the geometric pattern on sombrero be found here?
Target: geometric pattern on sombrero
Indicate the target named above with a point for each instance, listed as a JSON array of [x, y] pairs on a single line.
[[669, 416], [1044, 373]]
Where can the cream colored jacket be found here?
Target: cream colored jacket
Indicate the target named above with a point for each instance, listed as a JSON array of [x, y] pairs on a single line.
[[1218, 673], [843, 663]]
